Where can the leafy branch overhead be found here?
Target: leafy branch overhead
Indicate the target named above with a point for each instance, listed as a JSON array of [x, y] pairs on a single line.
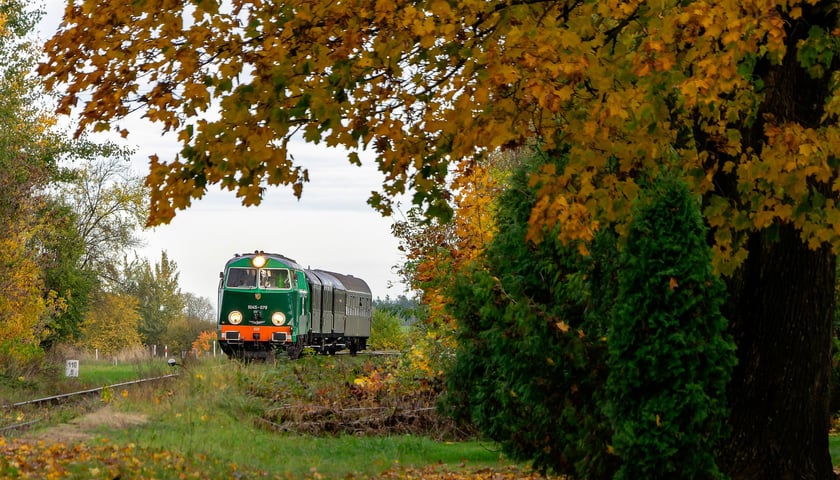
[[629, 85]]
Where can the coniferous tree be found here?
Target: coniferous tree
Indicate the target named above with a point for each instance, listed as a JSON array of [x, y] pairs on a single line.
[[670, 357], [531, 357]]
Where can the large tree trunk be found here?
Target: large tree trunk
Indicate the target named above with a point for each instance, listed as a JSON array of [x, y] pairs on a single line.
[[780, 310], [781, 304]]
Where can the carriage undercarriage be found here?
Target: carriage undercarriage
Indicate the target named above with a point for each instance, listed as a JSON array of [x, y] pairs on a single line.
[[267, 351]]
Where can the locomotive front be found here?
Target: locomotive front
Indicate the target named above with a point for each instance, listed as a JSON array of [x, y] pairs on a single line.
[[262, 305]]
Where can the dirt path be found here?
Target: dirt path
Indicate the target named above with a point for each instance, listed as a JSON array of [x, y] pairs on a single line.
[[87, 426]]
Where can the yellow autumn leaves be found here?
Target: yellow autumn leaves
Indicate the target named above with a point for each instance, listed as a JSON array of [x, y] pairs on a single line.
[[629, 86]]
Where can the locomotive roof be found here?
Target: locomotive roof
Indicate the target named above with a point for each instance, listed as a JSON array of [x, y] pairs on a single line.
[[288, 261], [325, 277]]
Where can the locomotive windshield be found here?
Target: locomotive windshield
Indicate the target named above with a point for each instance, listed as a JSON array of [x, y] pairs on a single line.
[[242, 278], [275, 278], [271, 278]]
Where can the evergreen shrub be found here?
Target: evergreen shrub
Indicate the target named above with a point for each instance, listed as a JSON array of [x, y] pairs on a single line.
[[670, 357], [531, 351]]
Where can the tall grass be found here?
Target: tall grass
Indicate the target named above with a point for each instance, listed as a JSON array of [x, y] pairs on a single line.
[[214, 409], [103, 372], [51, 379]]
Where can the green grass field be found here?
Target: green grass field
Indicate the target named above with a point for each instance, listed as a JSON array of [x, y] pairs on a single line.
[[228, 441], [211, 411], [101, 373]]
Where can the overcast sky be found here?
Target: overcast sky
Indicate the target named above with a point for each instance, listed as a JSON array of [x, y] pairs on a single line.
[[330, 228]]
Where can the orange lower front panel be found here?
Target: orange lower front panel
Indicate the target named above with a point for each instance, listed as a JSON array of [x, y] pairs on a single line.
[[249, 333]]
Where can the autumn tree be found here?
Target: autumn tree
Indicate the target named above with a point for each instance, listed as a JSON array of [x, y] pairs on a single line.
[[45, 286], [435, 251], [196, 318], [111, 324], [28, 155], [740, 96], [204, 342], [109, 204], [160, 302], [91, 215]]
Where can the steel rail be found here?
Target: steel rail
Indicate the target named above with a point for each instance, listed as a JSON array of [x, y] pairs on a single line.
[[18, 426], [65, 396]]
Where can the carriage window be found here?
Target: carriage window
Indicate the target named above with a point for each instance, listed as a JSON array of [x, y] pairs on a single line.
[[242, 278], [275, 278]]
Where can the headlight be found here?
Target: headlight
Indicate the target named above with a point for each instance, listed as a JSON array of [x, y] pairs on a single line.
[[258, 261], [278, 318], [235, 317]]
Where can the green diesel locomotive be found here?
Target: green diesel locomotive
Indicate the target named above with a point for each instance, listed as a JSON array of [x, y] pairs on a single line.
[[269, 303]]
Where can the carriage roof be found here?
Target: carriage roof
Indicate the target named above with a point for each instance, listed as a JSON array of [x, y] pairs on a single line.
[[349, 282]]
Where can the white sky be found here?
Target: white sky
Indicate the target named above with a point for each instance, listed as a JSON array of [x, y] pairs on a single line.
[[330, 228]]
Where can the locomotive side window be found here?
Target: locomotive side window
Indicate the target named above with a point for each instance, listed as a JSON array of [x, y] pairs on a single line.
[[242, 278], [275, 278]]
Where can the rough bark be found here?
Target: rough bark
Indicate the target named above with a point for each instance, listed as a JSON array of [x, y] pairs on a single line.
[[780, 310]]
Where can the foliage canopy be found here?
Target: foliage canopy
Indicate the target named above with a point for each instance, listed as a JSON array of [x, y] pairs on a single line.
[[111, 324], [160, 302], [630, 85]]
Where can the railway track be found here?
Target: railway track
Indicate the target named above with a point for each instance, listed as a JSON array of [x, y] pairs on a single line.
[[363, 353], [373, 353], [73, 396], [66, 397], [81, 393]]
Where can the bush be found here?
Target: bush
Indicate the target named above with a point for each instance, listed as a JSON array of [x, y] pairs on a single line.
[[386, 331], [561, 374], [669, 356], [20, 360]]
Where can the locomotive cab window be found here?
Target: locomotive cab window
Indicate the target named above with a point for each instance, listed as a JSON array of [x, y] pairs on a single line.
[[275, 278], [242, 278]]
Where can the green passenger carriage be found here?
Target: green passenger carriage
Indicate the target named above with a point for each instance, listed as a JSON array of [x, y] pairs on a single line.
[[268, 302]]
